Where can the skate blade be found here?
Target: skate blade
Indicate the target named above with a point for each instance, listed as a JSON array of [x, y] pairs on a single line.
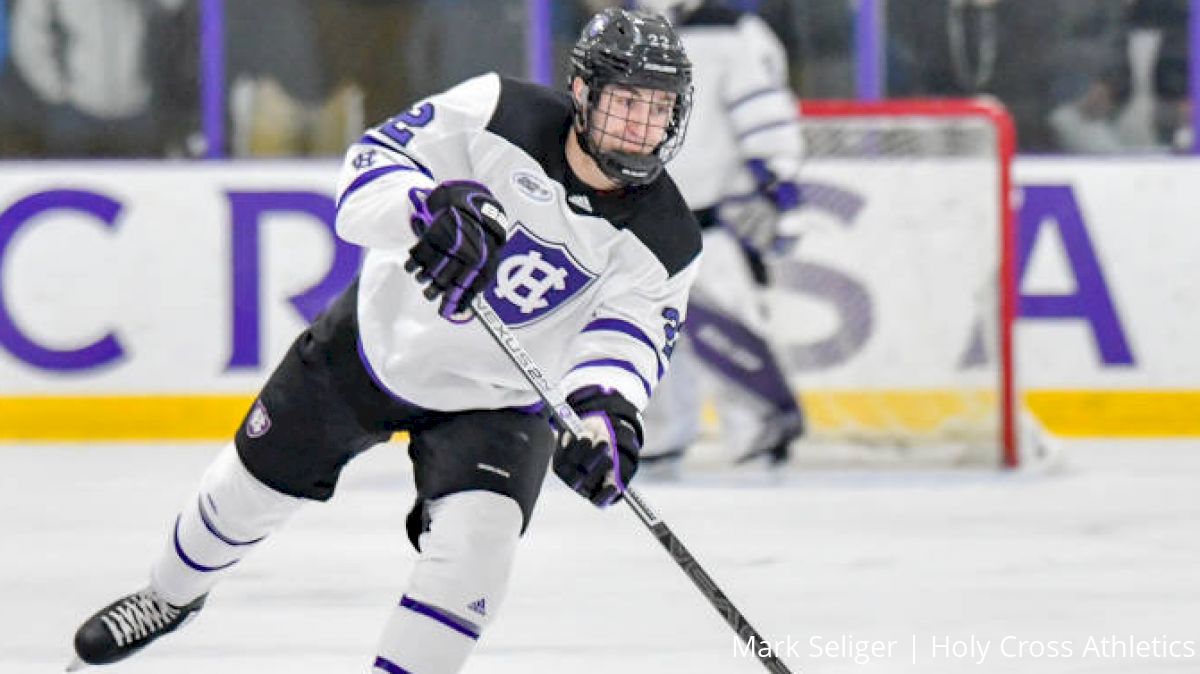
[[76, 664]]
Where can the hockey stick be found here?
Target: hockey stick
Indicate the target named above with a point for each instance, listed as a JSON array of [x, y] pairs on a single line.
[[568, 419]]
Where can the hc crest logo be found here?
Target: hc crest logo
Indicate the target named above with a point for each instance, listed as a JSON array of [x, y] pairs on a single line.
[[534, 278], [365, 159], [259, 422]]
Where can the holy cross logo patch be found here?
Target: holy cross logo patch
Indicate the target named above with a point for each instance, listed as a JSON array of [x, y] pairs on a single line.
[[259, 422], [534, 278], [364, 160]]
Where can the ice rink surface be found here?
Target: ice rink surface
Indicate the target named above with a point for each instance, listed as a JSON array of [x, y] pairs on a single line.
[[1045, 570]]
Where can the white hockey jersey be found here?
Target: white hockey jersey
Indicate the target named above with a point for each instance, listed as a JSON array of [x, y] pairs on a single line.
[[593, 284], [742, 109]]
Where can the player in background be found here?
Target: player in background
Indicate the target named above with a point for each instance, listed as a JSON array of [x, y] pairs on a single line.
[[738, 174], [555, 207]]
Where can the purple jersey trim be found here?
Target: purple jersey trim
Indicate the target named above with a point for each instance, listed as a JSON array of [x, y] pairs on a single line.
[[535, 408], [191, 562], [766, 127], [753, 95], [368, 139], [212, 528], [626, 328], [614, 362], [371, 140], [362, 357], [370, 176], [458, 625], [389, 666]]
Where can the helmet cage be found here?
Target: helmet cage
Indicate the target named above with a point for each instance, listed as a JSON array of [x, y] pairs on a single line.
[[637, 51]]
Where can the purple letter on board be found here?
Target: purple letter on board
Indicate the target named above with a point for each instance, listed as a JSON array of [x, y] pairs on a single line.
[[247, 209], [100, 352], [1055, 205]]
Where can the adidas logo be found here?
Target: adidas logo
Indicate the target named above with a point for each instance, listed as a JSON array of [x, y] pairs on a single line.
[[581, 202], [479, 606]]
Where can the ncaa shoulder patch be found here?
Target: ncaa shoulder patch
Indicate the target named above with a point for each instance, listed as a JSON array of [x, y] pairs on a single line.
[[531, 186]]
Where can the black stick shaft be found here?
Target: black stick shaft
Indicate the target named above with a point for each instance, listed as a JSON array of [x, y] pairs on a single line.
[[565, 415]]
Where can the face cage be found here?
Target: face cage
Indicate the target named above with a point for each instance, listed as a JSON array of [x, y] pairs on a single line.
[[641, 164]]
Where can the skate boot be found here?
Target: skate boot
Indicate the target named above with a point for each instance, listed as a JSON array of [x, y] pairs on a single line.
[[128, 625], [776, 455], [774, 444]]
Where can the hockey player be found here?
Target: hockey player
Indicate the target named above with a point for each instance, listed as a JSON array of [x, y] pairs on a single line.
[[553, 206], [738, 175]]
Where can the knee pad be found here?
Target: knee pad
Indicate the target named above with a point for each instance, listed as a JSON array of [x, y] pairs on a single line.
[[217, 527], [466, 556], [500, 451]]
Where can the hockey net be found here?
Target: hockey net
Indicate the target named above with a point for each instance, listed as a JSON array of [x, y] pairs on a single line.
[[894, 315]]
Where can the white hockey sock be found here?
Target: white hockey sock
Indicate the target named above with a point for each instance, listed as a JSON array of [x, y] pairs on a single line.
[[456, 587], [217, 527]]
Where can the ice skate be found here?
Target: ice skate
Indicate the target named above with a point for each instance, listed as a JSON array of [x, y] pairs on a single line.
[[128, 625]]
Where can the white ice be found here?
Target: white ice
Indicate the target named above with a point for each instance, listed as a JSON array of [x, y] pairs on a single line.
[[1110, 547]]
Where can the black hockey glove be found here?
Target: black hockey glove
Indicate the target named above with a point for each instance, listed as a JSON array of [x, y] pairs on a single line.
[[600, 464], [460, 228]]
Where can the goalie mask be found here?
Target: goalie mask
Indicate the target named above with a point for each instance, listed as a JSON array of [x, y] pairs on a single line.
[[637, 94]]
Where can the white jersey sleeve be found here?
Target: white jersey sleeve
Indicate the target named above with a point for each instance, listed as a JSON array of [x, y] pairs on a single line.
[[742, 110], [762, 110], [413, 151], [627, 345]]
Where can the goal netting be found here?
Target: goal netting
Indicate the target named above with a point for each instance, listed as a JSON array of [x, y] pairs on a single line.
[[894, 315]]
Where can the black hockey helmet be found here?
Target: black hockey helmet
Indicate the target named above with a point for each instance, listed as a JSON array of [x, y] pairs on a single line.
[[633, 49]]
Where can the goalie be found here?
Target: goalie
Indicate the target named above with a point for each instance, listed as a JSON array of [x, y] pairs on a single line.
[[737, 173]]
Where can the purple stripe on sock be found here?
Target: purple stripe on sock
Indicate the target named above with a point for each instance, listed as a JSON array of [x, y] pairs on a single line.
[[613, 362], [389, 666], [458, 625], [625, 328], [193, 563], [212, 528]]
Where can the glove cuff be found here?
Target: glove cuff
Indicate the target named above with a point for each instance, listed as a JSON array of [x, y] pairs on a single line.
[[622, 414]]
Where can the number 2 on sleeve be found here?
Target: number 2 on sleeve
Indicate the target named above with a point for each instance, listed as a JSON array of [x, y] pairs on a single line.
[[399, 128]]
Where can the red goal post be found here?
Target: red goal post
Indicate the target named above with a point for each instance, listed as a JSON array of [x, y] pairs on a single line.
[[946, 133]]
